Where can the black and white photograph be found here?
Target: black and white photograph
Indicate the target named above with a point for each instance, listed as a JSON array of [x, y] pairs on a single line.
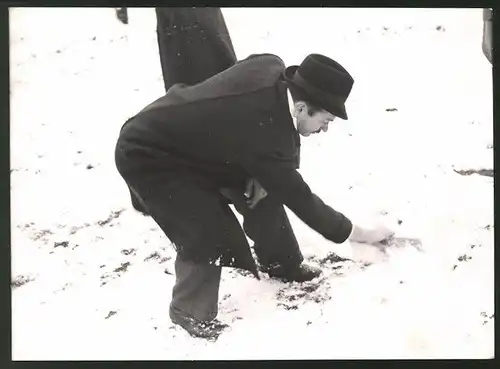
[[244, 183]]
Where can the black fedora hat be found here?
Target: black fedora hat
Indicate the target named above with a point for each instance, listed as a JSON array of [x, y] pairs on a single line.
[[324, 81]]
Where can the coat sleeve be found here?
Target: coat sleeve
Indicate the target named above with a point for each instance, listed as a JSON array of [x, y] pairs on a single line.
[[282, 180]]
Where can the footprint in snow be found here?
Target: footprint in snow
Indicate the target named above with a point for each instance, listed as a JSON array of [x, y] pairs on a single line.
[[110, 314], [111, 217], [128, 252]]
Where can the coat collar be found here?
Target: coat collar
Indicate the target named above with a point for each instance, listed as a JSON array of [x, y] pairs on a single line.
[[296, 135], [291, 107]]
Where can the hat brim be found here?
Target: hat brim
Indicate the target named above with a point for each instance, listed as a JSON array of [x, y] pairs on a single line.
[[324, 99]]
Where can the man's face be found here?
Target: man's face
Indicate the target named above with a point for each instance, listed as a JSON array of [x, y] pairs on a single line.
[[307, 124]]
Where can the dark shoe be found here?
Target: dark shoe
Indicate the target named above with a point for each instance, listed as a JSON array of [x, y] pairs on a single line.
[[300, 273], [210, 330], [122, 15]]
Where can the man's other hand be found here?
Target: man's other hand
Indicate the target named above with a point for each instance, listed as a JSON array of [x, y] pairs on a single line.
[[254, 192]]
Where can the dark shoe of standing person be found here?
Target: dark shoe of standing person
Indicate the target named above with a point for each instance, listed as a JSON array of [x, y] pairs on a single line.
[[122, 15]]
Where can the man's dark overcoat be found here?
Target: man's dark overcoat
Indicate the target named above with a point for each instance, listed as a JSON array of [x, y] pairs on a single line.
[[182, 149]]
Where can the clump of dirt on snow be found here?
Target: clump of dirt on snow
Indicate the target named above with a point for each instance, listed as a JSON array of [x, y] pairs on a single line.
[[117, 272], [122, 268], [112, 216]]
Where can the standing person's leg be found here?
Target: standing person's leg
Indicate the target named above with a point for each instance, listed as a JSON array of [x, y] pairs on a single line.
[[194, 44], [487, 35]]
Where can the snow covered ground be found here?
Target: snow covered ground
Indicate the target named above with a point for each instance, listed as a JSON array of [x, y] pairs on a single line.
[[88, 271]]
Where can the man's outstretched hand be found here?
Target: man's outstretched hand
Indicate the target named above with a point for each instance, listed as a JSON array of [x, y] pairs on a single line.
[[372, 235]]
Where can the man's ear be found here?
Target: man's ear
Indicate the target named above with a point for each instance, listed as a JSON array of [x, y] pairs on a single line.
[[299, 107]]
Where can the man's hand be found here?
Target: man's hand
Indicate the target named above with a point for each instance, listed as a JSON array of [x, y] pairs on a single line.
[[372, 235], [254, 192]]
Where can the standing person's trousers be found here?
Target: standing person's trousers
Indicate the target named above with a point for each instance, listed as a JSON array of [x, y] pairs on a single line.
[[194, 44], [487, 43]]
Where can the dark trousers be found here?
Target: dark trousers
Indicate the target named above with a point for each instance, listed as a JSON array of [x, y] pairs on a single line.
[[269, 227], [194, 44], [196, 290]]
